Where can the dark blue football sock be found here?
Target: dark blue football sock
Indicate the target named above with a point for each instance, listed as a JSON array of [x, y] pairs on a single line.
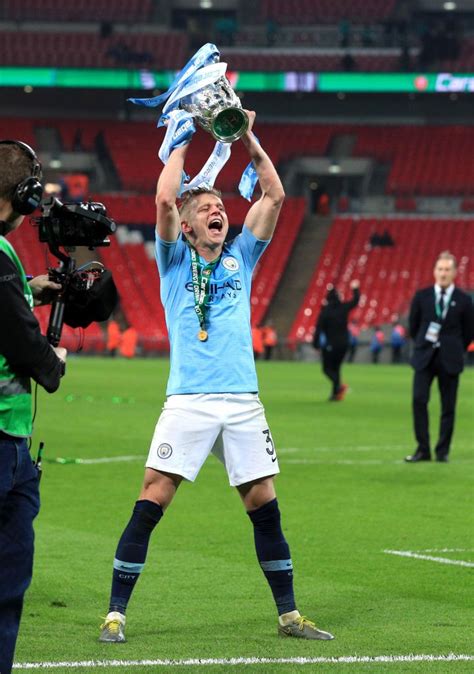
[[274, 555], [131, 552]]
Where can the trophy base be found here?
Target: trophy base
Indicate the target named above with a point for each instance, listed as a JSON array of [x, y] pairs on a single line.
[[229, 125]]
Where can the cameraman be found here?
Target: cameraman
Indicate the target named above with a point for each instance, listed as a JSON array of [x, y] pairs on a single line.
[[24, 354]]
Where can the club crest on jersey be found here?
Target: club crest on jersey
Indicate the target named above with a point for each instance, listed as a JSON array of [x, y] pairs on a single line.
[[230, 263], [164, 451]]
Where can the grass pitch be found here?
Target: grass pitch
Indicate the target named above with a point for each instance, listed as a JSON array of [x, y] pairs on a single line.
[[345, 495]]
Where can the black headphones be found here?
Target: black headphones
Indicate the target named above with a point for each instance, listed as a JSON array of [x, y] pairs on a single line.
[[29, 192]]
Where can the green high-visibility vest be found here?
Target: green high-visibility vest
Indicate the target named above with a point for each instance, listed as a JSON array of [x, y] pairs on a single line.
[[15, 391]]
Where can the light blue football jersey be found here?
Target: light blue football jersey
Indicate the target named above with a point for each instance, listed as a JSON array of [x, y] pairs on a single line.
[[224, 363]]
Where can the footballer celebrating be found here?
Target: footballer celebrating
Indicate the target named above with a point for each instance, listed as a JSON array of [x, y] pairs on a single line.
[[212, 394]]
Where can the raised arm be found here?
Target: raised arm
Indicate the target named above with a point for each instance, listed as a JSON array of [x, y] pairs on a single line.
[[355, 287], [168, 224], [263, 215]]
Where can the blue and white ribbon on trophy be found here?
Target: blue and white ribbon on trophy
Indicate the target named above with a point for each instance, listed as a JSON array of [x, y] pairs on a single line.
[[201, 70]]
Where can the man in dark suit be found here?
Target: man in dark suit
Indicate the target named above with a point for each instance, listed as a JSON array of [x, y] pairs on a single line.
[[441, 324]]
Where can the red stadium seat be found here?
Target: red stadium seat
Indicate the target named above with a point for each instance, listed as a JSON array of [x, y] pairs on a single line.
[[78, 10], [424, 160], [167, 50], [325, 11], [389, 276]]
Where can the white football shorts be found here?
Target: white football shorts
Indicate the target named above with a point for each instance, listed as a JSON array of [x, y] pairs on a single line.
[[230, 425]]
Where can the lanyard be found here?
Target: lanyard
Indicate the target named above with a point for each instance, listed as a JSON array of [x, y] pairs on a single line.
[[201, 277]]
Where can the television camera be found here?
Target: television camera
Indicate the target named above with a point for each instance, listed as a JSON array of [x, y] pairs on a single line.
[[88, 292]]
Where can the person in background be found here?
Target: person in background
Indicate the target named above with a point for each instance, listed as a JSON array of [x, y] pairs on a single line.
[[114, 337], [75, 187], [354, 333], [271, 31], [257, 342], [344, 33], [441, 323], [128, 344], [397, 340], [270, 339], [470, 353], [377, 343], [324, 204], [332, 336], [225, 29]]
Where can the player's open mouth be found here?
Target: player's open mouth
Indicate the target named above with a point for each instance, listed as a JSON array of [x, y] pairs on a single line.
[[215, 226]]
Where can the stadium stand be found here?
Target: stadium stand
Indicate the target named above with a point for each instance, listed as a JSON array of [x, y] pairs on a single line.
[[429, 161], [467, 205], [424, 160], [168, 50], [164, 50], [389, 275], [325, 11], [18, 128], [141, 140], [308, 36], [77, 10], [138, 285], [308, 61]]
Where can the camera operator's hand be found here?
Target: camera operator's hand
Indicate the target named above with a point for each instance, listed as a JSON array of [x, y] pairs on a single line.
[[61, 352], [44, 291], [355, 284]]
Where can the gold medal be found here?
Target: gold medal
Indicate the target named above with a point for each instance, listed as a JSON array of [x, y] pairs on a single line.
[[202, 335]]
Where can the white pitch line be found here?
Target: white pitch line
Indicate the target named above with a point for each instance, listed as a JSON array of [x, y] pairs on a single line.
[[289, 450], [355, 448], [113, 459], [429, 558], [340, 462], [283, 451], [122, 459], [205, 662], [446, 550]]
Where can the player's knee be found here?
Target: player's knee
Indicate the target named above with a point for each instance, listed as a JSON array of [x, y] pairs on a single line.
[[159, 487], [257, 494]]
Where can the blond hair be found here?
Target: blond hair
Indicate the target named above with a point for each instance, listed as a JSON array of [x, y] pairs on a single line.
[[192, 194], [446, 255]]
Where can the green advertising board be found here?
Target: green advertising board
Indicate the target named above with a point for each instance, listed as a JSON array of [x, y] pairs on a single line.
[[147, 80]]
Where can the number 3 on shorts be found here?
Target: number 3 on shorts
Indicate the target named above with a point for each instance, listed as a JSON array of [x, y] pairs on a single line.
[[270, 448]]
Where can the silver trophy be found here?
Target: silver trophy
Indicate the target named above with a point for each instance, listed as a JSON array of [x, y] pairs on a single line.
[[218, 110]]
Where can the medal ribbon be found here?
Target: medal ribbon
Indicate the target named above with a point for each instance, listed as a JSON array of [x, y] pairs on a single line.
[[201, 277]]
